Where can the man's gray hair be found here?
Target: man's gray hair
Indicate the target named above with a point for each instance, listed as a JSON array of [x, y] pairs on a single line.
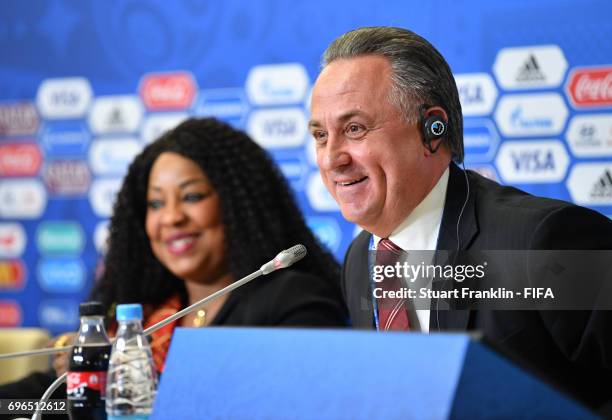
[[421, 76]]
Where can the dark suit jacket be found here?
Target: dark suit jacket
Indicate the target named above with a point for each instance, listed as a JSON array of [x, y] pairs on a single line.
[[572, 349]]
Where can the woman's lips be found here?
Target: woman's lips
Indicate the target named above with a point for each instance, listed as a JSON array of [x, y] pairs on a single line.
[[180, 245]]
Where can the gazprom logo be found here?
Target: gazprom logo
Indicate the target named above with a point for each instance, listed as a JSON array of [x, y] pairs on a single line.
[[61, 275], [60, 238], [327, 230], [277, 84], [102, 195], [157, 124], [278, 128], [112, 157], [531, 115]]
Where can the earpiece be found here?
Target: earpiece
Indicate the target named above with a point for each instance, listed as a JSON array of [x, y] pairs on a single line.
[[433, 127]]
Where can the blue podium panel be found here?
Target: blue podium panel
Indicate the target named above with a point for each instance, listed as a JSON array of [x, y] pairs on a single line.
[[333, 374], [493, 388], [309, 374]]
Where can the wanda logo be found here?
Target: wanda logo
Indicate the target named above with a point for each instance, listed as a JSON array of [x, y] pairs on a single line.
[[168, 91], [590, 87]]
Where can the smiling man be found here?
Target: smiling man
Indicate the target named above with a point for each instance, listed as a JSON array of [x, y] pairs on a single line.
[[367, 148], [387, 123]]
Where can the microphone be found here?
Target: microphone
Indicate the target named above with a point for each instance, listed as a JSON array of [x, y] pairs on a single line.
[[284, 259]]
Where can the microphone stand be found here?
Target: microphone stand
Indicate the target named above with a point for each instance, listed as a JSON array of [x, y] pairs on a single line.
[[282, 260]]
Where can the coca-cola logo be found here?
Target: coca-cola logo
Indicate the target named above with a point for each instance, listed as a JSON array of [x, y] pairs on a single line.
[[168, 91], [19, 159], [77, 383], [10, 313], [590, 87]]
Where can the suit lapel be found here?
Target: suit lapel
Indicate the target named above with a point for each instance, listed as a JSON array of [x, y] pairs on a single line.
[[456, 194], [357, 283], [455, 198]]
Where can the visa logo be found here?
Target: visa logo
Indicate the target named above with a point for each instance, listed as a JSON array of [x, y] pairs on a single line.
[[533, 161], [280, 127], [65, 98], [470, 94], [477, 93]]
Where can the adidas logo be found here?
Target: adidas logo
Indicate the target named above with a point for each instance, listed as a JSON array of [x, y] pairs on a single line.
[[530, 72], [603, 186]]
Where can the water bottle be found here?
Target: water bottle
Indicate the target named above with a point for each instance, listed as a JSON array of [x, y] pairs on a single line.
[[88, 365], [132, 380]]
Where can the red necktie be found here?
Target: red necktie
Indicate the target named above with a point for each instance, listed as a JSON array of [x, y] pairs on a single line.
[[392, 312]]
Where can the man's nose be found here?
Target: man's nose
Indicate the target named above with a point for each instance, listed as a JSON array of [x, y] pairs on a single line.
[[334, 155]]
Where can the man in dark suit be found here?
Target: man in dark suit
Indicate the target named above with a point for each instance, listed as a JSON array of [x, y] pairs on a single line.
[[387, 123]]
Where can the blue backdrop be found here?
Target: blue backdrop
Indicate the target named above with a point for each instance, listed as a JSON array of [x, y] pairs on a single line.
[[85, 84]]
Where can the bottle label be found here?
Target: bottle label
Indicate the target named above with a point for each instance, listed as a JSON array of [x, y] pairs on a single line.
[[77, 384]]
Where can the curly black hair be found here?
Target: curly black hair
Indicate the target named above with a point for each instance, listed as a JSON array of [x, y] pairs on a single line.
[[259, 215]]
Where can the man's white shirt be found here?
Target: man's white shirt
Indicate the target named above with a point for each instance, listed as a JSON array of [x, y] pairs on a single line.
[[420, 230]]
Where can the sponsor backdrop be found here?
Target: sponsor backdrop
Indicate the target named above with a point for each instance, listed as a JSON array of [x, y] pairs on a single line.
[[85, 85]]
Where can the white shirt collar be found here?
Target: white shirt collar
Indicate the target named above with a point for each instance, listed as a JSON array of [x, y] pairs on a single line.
[[419, 231]]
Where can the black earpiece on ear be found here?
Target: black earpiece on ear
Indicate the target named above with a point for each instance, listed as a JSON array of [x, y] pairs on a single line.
[[434, 127]]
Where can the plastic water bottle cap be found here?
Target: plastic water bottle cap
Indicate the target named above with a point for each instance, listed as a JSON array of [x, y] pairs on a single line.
[[129, 311]]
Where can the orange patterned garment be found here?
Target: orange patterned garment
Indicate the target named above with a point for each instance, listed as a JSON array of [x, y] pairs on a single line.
[[161, 338]]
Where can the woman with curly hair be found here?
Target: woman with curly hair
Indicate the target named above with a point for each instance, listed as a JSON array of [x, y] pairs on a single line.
[[200, 208], [204, 206]]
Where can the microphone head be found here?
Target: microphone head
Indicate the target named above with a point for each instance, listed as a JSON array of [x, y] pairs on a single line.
[[285, 258], [290, 256]]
